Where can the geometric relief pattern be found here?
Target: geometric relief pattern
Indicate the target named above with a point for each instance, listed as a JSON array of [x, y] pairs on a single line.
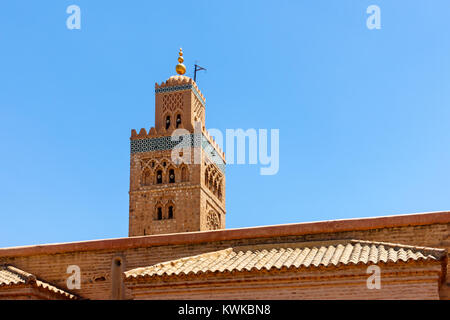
[[198, 111], [212, 221], [172, 102], [213, 180], [181, 88]]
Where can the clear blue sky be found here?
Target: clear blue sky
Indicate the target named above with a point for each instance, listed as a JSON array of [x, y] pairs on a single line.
[[363, 114]]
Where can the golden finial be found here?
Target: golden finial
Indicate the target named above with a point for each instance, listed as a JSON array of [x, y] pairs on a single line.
[[180, 68]]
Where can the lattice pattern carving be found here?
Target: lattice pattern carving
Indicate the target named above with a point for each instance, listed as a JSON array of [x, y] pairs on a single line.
[[199, 111], [212, 221], [214, 180], [172, 102], [194, 89]]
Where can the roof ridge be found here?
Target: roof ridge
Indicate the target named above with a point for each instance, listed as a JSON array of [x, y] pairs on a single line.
[[31, 279], [437, 252], [277, 256], [179, 260], [25, 276]]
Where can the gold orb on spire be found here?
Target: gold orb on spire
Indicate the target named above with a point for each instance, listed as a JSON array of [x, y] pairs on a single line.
[[180, 68]]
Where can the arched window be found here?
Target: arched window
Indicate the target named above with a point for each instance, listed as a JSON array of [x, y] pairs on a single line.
[[159, 213], [167, 122], [171, 176], [146, 177], [178, 120], [206, 178], [184, 174], [170, 212], [159, 176], [212, 221], [219, 192], [211, 182]]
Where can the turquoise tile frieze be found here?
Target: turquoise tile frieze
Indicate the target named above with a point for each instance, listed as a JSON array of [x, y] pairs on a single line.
[[212, 154], [166, 143], [174, 88], [181, 88]]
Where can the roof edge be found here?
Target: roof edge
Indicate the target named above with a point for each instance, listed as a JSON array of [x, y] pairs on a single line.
[[329, 226], [429, 255], [29, 279]]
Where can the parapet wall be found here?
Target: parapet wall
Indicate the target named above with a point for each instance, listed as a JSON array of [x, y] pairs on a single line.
[[50, 262], [179, 81]]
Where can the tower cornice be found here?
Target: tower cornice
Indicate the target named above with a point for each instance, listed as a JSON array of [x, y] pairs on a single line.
[[179, 83]]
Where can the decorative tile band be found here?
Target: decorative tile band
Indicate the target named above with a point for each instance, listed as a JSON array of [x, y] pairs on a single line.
[[212, 154], [166, 143], [174, 88], [182, 88], [161, 143]]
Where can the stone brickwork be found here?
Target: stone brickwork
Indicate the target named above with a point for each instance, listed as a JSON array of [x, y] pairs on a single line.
[[95, 258], [407, 281], [181, 194], [177, 210], [26, 293]]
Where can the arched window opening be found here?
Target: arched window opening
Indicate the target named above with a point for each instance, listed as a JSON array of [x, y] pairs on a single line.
[[171, 176], [206, 178], [170, 213], [213, 221], [159, 177], [167, 122], [184, 174], [159, 213], [146, 177], [219, 192], [178, 123]]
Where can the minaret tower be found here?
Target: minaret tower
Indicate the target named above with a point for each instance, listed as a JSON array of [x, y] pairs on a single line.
[[176, 187]]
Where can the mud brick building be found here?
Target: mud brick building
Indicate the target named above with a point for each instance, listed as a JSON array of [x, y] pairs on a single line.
[[178, 247]]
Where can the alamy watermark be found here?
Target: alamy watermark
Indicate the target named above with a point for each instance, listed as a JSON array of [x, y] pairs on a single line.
[[374, 280], [74, 280], [374, 20], [237, 151], [74, 20]]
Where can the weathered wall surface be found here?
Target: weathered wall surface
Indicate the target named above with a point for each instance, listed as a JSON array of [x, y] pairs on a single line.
[[404, 281], [175, 189], [50, 262], [26, 292]]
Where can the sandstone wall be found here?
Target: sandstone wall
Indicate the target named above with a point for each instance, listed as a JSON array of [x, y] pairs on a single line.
[[50, 262]]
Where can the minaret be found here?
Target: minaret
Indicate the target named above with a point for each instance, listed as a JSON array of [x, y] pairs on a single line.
[[172, 188]]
